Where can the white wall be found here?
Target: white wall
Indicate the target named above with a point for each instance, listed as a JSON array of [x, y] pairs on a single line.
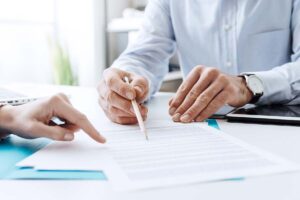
[[82, 31], [25, 26]]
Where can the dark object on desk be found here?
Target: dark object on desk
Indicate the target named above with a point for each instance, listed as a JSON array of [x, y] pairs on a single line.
[[272, 114]]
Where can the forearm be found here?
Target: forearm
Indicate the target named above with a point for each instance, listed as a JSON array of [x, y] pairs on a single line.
[[148, 55]]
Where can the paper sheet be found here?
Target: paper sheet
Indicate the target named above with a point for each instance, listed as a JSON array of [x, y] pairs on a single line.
[[107, 126], [172, 156], [186, 155]]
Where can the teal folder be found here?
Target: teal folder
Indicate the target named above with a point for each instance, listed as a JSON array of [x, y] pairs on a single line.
[[15, 149]]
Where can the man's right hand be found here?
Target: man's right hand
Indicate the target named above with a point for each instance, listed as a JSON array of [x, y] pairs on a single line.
[[115, 95]]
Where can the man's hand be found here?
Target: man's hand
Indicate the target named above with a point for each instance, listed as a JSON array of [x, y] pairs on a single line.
[[33, 120], [204, 92], [115, 95]]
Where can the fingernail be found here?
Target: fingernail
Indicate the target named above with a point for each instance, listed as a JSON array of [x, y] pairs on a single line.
[[185, 118], [103, 139], [139, 89], [176, 117], [172, 110], [69, 137], [129, 95]]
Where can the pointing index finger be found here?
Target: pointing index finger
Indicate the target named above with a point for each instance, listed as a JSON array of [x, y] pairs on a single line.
[[67, 112]]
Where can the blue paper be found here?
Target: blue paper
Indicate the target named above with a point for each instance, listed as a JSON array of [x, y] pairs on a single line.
[[213, 123], [15, 149], [29, 173]]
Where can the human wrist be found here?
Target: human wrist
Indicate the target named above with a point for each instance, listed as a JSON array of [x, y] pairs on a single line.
[[6, 117], [245, 90]]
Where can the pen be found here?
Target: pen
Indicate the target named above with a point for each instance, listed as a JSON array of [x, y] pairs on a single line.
[[137, 113]]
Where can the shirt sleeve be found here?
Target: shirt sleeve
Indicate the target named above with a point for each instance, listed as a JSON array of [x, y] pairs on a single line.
[[149, 54], [282, 84]]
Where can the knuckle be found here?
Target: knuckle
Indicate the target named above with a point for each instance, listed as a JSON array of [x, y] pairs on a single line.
[[223, 79], [230, 90], [111, 96], [123, 90], [224, 95], [212, 71], [182, 88], [199, 68], [175, 103], [193, 110], [193, 94], [80, 117], [126, 105], [62, 96], [112, 110], [203, 99], [54, 99], [144, 86], [110, 82]]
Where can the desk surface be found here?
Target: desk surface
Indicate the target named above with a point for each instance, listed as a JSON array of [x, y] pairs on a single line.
[[280, 140]]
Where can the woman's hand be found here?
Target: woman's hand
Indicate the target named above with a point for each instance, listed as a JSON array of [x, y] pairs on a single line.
[[33, 120]]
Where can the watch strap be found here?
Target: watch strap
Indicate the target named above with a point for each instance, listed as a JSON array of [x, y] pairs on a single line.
[[256, 96], [255, 99]]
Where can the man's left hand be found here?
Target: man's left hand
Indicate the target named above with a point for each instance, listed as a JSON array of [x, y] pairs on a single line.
[[204, 92]]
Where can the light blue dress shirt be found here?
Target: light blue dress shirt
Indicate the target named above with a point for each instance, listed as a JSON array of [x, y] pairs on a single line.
[[236, 36]]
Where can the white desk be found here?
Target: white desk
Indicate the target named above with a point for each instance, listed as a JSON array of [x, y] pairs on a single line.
[[281, 140]]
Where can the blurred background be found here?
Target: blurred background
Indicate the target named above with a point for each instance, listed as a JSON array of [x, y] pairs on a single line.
[[68, 42]]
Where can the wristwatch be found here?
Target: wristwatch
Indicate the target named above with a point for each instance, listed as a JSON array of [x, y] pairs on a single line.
[[255, 85]]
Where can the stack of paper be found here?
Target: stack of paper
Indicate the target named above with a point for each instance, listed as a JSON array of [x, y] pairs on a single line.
[[173, 155]]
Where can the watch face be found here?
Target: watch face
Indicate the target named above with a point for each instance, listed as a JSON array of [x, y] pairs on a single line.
[[255, 84]]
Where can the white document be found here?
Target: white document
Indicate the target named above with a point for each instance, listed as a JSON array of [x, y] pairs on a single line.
[[108, 126], [172, 156], [83, 153]]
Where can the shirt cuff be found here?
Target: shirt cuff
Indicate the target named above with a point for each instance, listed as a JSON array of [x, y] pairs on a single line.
[[273, 92]]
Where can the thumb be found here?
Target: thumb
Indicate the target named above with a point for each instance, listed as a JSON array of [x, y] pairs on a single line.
[[141, 87]]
